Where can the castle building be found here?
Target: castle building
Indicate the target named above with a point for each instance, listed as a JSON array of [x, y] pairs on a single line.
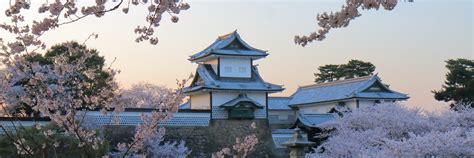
[[317, 101], [227, 93], [226, 81], [229, 86], [312, 105]]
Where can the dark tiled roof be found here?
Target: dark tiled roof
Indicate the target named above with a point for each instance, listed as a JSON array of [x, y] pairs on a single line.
[[344, 89], [278, 103], [239, 99], [314, 120], [209, 80], [219, 47]]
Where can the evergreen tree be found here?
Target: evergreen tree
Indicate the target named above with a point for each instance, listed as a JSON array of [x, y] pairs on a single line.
[[353, 68], [328, 73], [357, 68], [459, 84]]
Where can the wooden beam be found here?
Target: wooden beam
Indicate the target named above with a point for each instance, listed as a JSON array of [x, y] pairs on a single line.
[[266, 104], [210, 102], [218, 67]]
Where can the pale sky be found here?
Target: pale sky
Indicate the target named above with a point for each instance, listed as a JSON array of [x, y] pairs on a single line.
[[408, 45]]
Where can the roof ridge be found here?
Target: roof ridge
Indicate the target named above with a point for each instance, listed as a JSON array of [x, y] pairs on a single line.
[[328, 114], [278, 97], [338, 82], [227, 35]]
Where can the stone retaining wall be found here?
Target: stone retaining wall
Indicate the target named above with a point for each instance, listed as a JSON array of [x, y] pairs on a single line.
[[222, 133]]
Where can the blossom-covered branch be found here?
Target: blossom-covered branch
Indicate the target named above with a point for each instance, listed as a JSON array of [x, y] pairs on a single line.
[[61, 12], [390, 130], [339, 19], [241, 148], [65, 88]]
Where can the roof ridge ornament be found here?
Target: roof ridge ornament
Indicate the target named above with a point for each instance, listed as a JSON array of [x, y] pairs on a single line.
[[230, 34], [350, 80], [218, 49]]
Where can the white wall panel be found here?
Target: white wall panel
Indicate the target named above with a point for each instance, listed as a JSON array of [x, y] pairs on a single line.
[[235, 67], [201, 101]]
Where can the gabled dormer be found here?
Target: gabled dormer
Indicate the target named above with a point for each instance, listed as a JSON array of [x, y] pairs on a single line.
[[377, 86], [229, 56]]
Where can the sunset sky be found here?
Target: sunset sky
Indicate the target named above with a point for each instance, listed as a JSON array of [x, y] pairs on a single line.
[[408, 45]]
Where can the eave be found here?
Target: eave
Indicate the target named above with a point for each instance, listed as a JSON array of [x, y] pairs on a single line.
[[343, 99]]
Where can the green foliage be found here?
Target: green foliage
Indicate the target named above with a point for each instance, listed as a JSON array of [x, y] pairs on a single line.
[[118, 134], [353, 69], [329, 73], [94, 65], [57, 144], [357, 68], [459, 84]]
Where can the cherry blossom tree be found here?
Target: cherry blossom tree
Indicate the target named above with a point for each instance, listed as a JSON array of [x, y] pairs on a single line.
[[48, 88], [155, 146], [94, 66], [53, 90], [62, 12], [390, 130], [241, 148], [145, 95], [342, 18], [165, 101]]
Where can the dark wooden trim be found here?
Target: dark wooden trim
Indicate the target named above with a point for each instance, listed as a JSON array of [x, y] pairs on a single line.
[[210, 102], [125, 110], [246, 90], [194, 110], [362, 98], [266, 104], [218, 67], [220, 54], [251, 69], [25, 119]]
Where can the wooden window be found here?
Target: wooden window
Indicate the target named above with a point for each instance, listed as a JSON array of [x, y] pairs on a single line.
[[241, 113]]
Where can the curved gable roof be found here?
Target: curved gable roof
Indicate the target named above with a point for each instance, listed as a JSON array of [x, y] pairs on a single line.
[[314, 120], [220, 47], [343, 89], [209, 80], [241, 98]]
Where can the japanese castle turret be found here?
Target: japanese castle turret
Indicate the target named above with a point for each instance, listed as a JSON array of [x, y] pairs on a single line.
[[227, 83]]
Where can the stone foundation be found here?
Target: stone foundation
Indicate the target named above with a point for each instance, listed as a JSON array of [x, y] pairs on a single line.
[[222, 133], [205, 140]]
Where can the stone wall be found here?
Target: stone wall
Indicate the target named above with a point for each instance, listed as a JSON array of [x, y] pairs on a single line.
[[205, 140], [222, 133]]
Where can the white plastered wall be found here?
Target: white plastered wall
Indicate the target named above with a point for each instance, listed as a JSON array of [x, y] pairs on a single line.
[[235, 67], [219, 98], [201, 101], [325, 107]]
